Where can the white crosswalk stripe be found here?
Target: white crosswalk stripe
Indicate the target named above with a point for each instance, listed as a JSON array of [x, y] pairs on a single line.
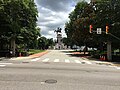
[[67, 60], [77, 61], [118, 68], [46, 60], [36, 59], [87, 62], [56, 60], [2, 65], [6, 63]]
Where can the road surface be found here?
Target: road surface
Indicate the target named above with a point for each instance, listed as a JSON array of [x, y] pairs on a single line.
[[58, 70]]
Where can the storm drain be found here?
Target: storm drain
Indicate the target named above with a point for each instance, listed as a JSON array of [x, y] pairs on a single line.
[[25, 62], [46, 62], [51, 81], [83, 62]]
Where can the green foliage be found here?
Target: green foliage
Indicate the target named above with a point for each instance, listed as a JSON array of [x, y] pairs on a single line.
[[77, 29], [18, 19], [44, 43], [34, 51], [99, 14]]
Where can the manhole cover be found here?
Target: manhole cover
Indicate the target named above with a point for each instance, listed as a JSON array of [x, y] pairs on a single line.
[[51, 81]]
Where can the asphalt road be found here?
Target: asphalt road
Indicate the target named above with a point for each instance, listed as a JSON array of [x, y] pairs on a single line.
[[58, 70]]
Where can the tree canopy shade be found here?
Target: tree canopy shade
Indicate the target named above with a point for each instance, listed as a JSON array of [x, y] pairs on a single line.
[[98, 14], [18, 21]]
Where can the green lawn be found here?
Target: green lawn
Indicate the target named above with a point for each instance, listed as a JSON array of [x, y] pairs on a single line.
[[34, 51]]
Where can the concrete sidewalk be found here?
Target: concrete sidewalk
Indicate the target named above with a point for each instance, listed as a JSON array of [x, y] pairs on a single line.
[[30, 56], [81, 54]]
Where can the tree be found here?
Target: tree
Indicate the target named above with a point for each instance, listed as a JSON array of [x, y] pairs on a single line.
[[44, 43], [107, 13], [77, 29], [18, 17], [99, 14]]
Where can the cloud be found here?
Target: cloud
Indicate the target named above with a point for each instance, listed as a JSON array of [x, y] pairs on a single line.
[[55, 5], [53, 14]]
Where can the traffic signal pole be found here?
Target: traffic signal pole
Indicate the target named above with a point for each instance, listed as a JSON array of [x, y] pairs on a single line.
[[109, 51]]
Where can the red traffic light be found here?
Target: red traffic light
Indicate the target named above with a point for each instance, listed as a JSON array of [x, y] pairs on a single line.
[[107, 29], [91, 28]]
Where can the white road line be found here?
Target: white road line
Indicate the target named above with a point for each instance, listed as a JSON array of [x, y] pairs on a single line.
[[77, 61], [36, 59], [56, 60], [6, 63], [84, 58], [67, 60], [87, 62], [117, 67], [45, 60], [2, 65]]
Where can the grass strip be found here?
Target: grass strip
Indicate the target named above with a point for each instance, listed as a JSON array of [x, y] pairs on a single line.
[[34, 51]]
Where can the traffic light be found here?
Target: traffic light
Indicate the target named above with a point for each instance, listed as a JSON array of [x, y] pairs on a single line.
[[91, 28], [107, 29]]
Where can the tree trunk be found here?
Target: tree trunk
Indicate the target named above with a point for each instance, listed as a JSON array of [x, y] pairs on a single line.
[[85, 49]]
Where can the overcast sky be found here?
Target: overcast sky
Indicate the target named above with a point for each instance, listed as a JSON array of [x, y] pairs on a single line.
[[53, 14]]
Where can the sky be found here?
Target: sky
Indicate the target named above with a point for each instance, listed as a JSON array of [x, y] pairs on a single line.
[[53, 14]]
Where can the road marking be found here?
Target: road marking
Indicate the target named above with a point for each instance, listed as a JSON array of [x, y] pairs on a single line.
[[117, 67], [6, 63], [77, 61], [84, 58], [36, 59], [67, 61], [2, 65], [87, 62], [46, 60], [56, 60]]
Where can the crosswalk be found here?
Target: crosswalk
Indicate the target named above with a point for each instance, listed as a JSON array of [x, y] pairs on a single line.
[[67, 60], [77, 61], [56, 60], [4, 64], [81, 61], [46, 60]]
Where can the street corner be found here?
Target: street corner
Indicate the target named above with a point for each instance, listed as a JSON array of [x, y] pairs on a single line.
[[116, 64], [100, 62], [19, 58]]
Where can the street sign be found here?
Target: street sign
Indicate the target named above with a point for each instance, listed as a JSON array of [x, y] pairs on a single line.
[[99, 31]]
